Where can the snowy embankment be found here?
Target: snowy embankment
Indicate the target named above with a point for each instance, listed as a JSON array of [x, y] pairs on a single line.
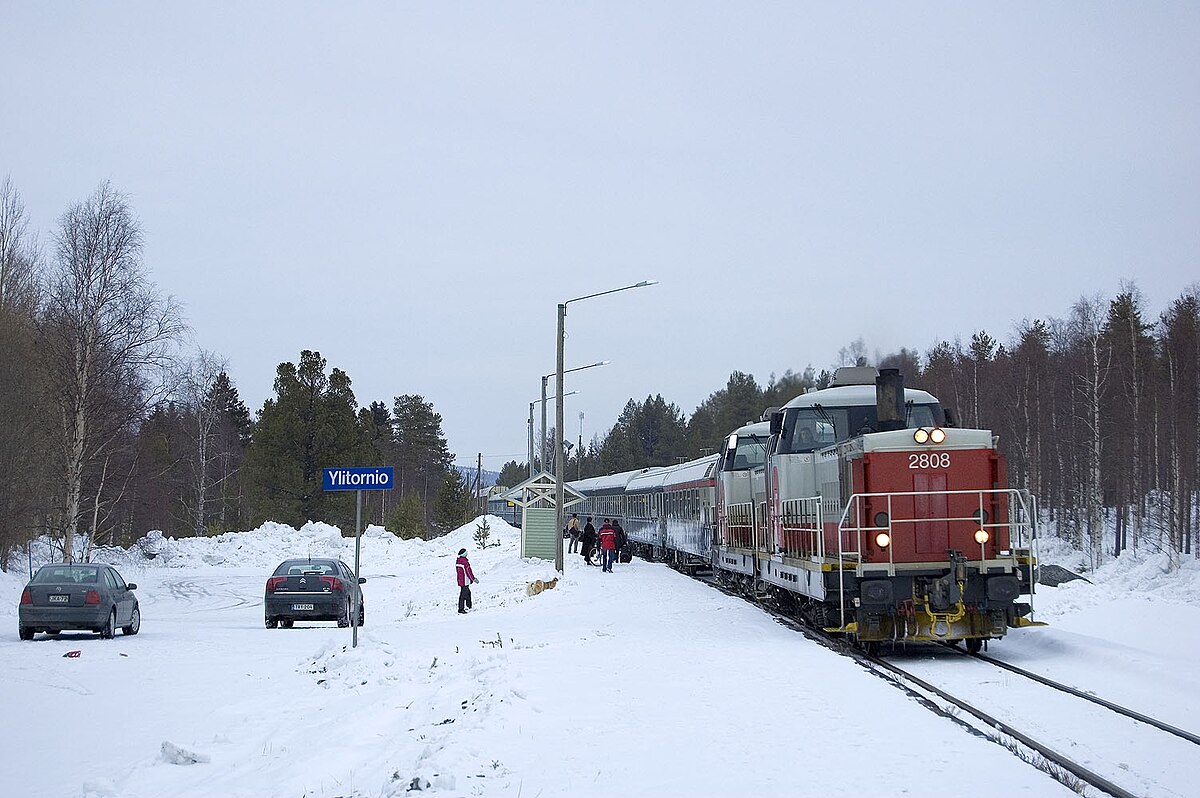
[[640, 682]]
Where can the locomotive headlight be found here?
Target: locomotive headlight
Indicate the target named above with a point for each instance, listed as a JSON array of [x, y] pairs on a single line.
[[881, 519], [882, 540], [981, 536], [937, 435], [921, 436]]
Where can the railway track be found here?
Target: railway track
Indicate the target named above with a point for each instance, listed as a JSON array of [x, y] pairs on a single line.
[[1117, 708], [1039, 730]]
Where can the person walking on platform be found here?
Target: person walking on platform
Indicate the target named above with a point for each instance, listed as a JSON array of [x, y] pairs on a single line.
[[589, 541], [608, 546], [465, 579], [573, 531]]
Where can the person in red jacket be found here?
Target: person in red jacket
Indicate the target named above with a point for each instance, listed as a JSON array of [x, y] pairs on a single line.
[[465, 579], [608, 546]]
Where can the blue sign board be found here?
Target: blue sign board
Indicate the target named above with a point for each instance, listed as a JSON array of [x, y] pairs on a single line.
[[371, 478]]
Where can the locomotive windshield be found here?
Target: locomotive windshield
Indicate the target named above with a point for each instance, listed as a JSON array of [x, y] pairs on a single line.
[[747, 452], [806, 429]]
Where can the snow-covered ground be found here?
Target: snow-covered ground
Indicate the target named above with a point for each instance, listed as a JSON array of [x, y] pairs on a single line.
[[639, 682]]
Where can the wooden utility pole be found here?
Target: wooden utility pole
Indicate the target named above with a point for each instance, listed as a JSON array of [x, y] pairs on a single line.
[[479, 485]]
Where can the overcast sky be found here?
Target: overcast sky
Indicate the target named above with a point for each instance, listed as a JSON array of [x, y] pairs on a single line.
[[410, 189]]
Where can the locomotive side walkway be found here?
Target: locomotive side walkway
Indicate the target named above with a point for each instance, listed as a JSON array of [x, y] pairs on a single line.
[[639, 682]]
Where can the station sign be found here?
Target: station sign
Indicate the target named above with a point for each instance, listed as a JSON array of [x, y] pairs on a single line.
[[369, 478]]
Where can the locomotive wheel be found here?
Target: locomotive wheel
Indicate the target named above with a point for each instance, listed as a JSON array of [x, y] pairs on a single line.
[[974, 645]]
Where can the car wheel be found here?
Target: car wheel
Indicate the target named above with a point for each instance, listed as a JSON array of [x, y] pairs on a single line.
[[344, 619], [54, 632], [286, 623], [362, 615], [110, 627], [135, 622], [272, 623], [26, 632]]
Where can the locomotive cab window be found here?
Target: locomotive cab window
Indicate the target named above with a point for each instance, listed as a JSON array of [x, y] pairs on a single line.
[[749, 453], [806, 429]]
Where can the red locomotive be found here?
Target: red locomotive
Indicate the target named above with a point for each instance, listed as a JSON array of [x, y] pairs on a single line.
[[884, 522], [861, 504]]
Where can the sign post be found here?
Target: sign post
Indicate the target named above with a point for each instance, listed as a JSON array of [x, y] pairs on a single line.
[[358, 479]]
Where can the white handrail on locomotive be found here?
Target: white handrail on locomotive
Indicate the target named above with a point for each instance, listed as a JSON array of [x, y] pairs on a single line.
[[803, 521], [1023, 522]]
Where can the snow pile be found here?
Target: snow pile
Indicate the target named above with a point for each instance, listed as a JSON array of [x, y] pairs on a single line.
[[272, 542], [1152, 574], [262, 548], [174, 755], [1141, 576]]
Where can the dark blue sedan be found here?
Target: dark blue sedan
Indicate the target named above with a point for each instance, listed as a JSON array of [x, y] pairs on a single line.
[[78, 596]]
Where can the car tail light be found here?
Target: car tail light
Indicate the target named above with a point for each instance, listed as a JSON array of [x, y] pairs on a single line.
[[334, 583], [92, 597], [274, 582], [26, 596]]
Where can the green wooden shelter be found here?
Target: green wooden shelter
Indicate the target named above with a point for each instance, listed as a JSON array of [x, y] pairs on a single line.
[[539, 520]]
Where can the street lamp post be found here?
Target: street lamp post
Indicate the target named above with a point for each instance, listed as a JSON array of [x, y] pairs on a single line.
[[531, 404], [545, 464], [558, 415]]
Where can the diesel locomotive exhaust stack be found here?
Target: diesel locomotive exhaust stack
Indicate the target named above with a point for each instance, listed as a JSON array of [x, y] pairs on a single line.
[[889, 400]]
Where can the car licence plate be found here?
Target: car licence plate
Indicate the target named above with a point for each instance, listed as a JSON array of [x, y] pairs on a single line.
[[56, 599], [299, 607]]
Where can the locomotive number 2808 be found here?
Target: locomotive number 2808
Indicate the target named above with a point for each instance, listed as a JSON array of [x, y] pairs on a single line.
[[926, 460]]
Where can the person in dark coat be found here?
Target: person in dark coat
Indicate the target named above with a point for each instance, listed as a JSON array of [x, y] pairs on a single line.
[[622, 539], [465, 579], [589, 541]]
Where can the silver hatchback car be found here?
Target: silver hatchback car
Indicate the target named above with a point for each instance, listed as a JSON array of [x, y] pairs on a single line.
[[78, 596]]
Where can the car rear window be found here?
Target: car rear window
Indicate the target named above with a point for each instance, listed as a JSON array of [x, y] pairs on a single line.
[[300, 568], [79, 574]]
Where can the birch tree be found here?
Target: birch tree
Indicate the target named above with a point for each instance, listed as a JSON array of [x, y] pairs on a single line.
[[1031, 355], [1087, 324], [22, 429], [204, 418], [1180, 342], [20, 256], [106, 329]]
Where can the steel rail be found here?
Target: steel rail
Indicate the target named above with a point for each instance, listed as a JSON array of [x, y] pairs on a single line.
[[899, 676], [1120, 710], [1072, 767]]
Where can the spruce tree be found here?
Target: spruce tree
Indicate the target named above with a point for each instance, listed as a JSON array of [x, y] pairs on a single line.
[[513, 474], [408, 519], [420, 453], [454, 501], [310, 425]]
